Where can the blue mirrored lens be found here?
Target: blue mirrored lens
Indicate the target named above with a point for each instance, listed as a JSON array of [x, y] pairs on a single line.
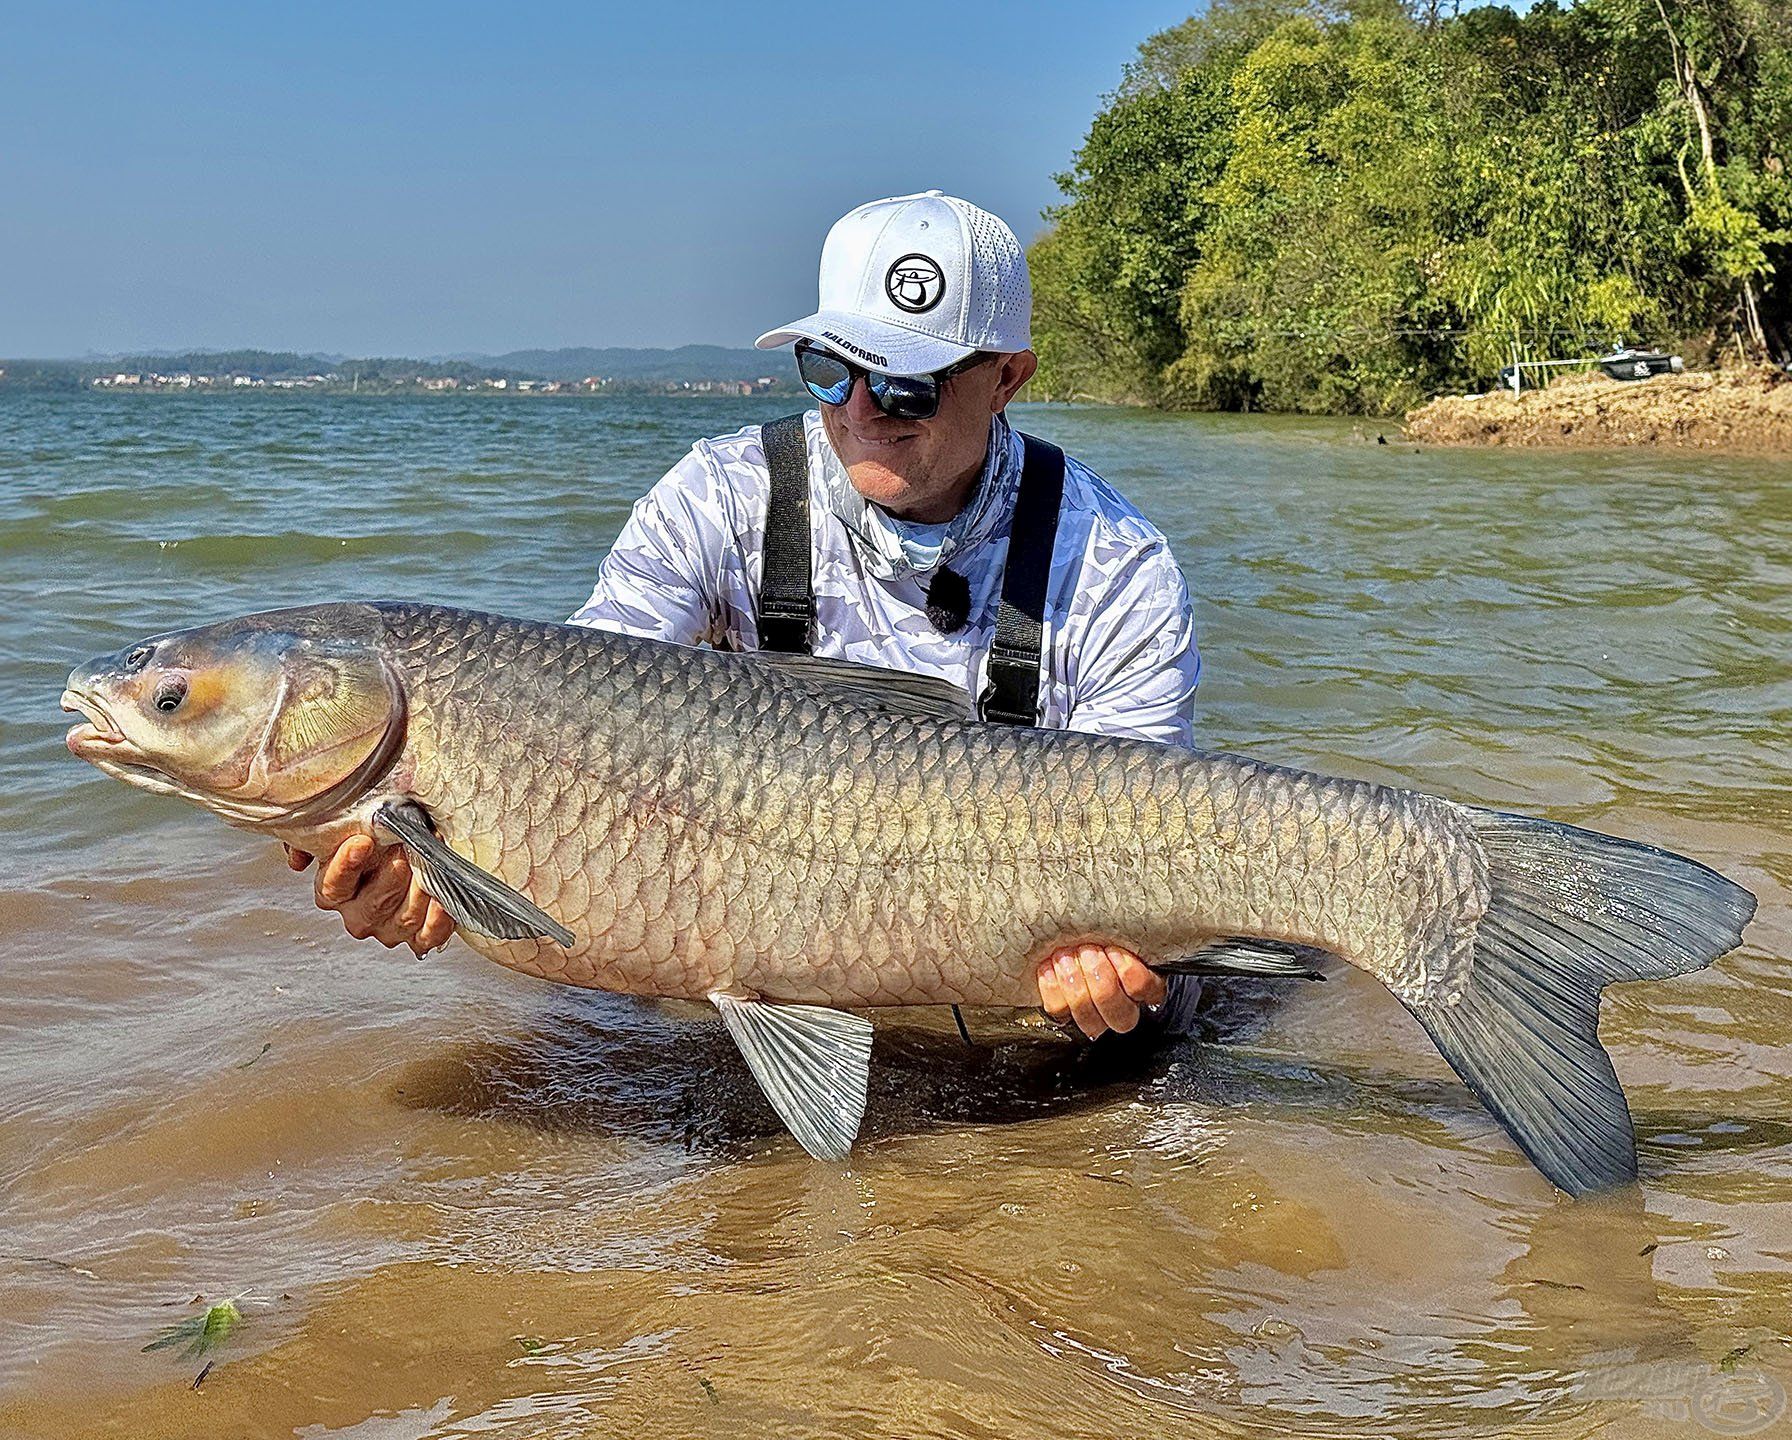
[[831, 394], [829, 380], [903, 397]]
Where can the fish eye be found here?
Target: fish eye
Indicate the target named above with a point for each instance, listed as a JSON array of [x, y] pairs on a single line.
[[170, 692], [138, 658]]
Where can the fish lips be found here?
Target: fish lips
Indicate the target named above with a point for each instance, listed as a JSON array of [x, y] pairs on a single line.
[[98, 739], [99, 720], [99, 742]]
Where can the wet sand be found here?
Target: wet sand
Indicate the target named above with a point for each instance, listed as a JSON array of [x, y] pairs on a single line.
[[459, 1202]]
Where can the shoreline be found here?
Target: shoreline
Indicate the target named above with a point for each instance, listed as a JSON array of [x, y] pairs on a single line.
[[383, 391], [1747, 412]]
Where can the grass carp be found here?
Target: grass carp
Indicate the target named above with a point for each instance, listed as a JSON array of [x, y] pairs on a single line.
[[797, 839]]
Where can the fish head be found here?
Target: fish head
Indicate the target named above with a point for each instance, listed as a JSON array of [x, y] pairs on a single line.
[[261, 720]]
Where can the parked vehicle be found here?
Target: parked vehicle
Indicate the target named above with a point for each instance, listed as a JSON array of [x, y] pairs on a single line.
[[1625, 363]]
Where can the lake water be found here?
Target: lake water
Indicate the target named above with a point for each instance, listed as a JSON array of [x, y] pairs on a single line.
[[459, 1202]]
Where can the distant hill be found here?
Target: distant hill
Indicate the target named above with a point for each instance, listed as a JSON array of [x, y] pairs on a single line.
[[687, 362], [623, 368], [284, 364], [271, 364]]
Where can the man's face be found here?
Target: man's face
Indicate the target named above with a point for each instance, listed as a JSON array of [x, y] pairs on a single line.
[[924, 469]]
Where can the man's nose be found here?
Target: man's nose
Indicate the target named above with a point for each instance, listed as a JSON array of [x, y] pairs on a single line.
[[861, 409]]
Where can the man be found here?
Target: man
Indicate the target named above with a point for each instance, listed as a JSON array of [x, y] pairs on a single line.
[[921, 340]]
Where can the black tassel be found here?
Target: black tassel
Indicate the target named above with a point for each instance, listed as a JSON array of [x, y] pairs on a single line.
[[948, 601]]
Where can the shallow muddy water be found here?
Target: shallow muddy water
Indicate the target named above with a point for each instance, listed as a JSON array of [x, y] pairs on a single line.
[[457, 1202]]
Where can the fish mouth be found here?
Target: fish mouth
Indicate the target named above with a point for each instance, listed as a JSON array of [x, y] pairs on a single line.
[[100, 730], [99, 741]]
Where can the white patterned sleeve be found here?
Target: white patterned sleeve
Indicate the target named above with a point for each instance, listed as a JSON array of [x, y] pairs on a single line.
[[1138, 664], [661, 579]]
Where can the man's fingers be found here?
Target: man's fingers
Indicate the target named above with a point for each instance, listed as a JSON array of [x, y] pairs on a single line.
[[379, 898], [377, 903], [1118, 1010], [1076, 992], [436, 929], [415, 910], [1138, 979], [406, 917], [1051, 993], [1099, 987], [339, 877], [296, 859]]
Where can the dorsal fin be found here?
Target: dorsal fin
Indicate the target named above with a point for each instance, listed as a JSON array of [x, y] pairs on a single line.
[[846, 682]]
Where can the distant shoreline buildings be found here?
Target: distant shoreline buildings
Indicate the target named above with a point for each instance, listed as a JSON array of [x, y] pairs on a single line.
[[143, 380], [687, 370]]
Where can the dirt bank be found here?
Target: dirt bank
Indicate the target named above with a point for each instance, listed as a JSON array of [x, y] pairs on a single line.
[[1735, 410]]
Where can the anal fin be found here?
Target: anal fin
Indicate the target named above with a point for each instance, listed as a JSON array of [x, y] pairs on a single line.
[[813, 1064], [477, 899], [1242, 955]]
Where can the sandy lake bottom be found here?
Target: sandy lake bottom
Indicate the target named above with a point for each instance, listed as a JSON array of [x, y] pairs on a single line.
[[457, 1202]]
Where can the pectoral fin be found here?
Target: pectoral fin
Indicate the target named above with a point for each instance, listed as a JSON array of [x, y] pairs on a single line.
[[478, 900], [813, 1064]]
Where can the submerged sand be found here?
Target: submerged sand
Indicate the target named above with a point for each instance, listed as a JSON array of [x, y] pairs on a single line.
[[455, 1202], [1740, 411]]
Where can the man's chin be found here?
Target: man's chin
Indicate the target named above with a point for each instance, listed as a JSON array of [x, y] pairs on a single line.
[[887, 471], [873, 477]]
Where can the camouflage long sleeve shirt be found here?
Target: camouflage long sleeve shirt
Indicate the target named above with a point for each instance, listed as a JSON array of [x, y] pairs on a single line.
[[1119, 656]]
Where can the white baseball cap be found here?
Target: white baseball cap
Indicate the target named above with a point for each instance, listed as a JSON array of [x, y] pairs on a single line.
[[915, 283]]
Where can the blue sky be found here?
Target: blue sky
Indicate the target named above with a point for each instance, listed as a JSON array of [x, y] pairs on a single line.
[[423, 179]]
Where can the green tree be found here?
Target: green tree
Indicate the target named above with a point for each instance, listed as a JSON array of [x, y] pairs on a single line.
[[1108, 277], [1346, 204], [1313, 291]]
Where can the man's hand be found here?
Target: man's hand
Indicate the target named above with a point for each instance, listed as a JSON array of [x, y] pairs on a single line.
[[1100, 987], [377, 895]]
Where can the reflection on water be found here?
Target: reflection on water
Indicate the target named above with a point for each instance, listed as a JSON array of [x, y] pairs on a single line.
[[464, 1203]]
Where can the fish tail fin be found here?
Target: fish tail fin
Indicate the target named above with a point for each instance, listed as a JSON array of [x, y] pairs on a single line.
[[1571, 911]]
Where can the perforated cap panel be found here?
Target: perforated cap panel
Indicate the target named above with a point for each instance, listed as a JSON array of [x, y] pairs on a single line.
[[1001, 292]]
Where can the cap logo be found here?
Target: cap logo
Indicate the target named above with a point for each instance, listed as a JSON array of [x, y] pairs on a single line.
[[870, 357], [914, 283]]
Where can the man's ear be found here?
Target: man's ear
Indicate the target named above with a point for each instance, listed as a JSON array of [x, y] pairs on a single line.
[[1017, 369]]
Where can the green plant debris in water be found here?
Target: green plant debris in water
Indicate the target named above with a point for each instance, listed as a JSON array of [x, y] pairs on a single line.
[[200, 1333]]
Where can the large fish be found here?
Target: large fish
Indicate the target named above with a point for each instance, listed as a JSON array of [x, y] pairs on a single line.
[[795, 839]]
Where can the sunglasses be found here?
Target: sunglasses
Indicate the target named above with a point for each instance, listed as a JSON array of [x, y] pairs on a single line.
[[902, 397]]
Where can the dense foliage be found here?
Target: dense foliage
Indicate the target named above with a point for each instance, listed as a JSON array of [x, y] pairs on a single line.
[[1306, 205]]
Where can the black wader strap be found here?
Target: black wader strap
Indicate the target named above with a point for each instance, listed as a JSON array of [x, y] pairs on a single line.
[[786, 590], [1013, 695]]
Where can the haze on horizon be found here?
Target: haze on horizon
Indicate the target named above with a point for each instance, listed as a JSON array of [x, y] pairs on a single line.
[[435, 179]]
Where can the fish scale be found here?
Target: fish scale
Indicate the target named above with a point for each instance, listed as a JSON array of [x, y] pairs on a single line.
[[870, 858], [793, 839]]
